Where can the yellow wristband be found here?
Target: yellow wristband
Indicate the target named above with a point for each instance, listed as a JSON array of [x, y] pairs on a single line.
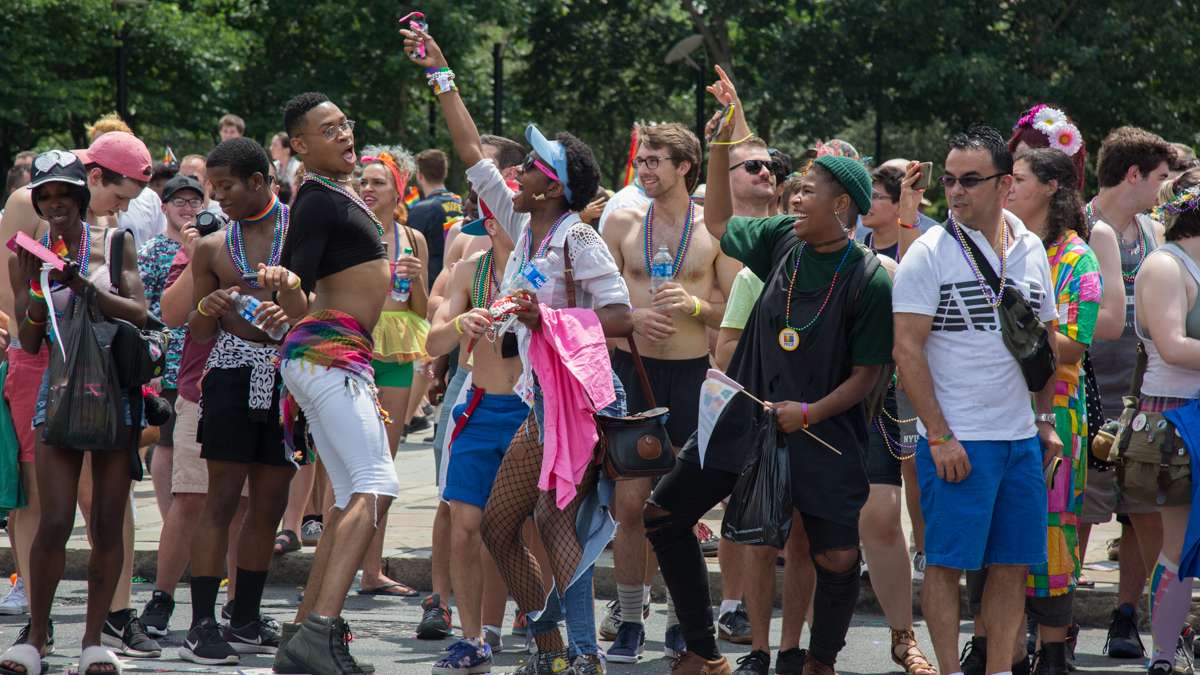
[[200, 308], [737, 142], [697, 307], [295, 283], [31, 322], [458, 326]]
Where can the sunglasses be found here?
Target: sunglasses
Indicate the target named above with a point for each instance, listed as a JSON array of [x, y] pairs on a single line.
[[532, 162], [968, 182], [754, 166]]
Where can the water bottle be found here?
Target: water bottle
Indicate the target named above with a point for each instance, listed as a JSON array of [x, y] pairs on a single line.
[[533, 274], [661, 267], [247, 305], [402, 286]]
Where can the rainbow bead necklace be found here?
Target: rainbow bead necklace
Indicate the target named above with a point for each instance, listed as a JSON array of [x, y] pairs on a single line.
[[685, 238], [787, 312], [348, 194], [235, 244]]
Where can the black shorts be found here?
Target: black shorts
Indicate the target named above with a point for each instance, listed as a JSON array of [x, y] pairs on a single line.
[[166, 432], [229, 431], [883, 454], [676, 385]]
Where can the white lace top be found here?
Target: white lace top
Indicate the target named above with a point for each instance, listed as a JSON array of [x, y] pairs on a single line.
[[597, 279]]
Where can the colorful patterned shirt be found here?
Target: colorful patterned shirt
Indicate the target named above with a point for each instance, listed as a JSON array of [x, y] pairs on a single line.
[[1077, 291], [154, 263]]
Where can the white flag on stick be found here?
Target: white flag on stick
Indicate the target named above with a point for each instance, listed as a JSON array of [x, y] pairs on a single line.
[[715, 394]]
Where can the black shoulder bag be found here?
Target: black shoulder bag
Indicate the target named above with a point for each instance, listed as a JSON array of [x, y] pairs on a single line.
[[140, 355], [1024, 334]]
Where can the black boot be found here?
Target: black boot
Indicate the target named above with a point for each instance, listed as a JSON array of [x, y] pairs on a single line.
[[1051, 659], [973, 659]]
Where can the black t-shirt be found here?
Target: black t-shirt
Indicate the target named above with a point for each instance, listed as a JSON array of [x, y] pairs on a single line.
[[430, 217], [327, 234]]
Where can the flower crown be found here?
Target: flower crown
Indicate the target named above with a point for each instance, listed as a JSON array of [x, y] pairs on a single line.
[[1188, 200], [1055, 126]]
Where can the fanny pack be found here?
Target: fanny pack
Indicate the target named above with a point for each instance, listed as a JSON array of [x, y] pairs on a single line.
[[1024, 334], [1153, 466], [637, 445]]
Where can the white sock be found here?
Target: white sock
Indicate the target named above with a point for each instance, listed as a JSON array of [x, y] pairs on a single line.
[[646, 594], [728, 606], [961, 673], [629, 599], [1007, 672]]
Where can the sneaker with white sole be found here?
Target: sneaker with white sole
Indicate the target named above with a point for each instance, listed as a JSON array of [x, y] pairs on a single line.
[[205, 645], [918, 566], [465, 657], [256, 637], [15, 603], [311, 531], [125, 634], [494, 639]]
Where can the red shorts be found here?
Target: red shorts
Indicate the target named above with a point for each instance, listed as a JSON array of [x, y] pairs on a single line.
[[25, 373]]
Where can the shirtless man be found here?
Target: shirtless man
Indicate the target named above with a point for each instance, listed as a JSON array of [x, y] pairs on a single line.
[[670, 333]]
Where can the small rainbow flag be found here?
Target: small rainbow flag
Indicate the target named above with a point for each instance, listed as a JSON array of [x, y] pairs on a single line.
[[412, 196], [169, 156], [630, 171]]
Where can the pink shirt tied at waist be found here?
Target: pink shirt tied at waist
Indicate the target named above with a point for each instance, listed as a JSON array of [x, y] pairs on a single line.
[[570, 358]]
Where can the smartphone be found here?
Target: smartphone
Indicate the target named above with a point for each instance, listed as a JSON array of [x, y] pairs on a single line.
[[416, 21], [1051, 470], [722, 121], [926, 176], [22, 240]]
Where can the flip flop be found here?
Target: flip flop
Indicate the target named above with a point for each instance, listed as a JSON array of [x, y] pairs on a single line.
[[289, 542], [386, 590], [95, 656]]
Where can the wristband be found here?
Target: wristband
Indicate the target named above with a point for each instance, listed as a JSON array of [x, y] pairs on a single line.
[[458, 325], [31, 322], [737, 142], [905, 225], [37, 294], [804, 415], [295, 284], [200, 308], [696, 307], [442, 81], [941, 440]]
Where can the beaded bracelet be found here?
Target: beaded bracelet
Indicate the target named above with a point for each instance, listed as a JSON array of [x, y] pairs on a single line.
[[441, 80]]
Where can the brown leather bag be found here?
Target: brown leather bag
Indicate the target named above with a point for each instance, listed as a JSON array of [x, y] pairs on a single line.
[[637, 445]]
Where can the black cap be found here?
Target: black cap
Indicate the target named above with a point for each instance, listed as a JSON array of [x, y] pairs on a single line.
[[181, 182], [58, 166]]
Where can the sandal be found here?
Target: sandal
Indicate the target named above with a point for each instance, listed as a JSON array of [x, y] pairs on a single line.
[[24, 655], [394, 589], [286, 542], [913, 661], [98, 656]]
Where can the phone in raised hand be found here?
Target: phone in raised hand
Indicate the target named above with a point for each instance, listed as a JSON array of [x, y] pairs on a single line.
[[926, 178], [416, 22], [722, 122]]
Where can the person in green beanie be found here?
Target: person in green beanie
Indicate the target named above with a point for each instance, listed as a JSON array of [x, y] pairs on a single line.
[[818, 342]]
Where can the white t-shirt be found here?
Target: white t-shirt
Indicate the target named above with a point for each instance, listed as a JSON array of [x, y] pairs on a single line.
[[977, 382], [628, 197], [144, 217]]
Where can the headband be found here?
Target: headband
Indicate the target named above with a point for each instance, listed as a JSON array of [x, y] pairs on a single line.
[[1055, 126], [386, 159], [1188, 200]]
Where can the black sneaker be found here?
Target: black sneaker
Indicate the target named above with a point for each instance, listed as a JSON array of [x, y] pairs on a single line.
[[1072, 641], [226, 613], [256, 637], [1022, 667], [791, 661], [321, 646], [1051, 659], [435, 623], [205, 645], [755, 663], [1161, 668], [418, 424], [1123, 641], [48, 648], [974, 656], [735, 626], [156, 617], [125, 634]]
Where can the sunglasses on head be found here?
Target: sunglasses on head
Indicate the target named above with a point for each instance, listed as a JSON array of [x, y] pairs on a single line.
[[754, 166], [968, 182]]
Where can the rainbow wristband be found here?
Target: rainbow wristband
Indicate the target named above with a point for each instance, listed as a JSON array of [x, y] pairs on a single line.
[[941, 440], [37, 294], [803, 415]]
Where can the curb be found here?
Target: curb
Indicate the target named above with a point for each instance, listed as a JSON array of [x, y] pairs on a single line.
[[1093, 607]]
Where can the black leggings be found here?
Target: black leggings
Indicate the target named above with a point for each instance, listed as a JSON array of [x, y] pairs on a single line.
[[680, 500]]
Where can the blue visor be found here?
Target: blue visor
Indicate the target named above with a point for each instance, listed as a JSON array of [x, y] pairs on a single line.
[[552, 153]]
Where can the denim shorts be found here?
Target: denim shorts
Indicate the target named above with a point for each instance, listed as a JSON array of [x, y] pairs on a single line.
[[997, 516], [615, 409]]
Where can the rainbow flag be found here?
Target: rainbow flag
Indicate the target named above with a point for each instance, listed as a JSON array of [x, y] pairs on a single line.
[[412, 196], [630, 172], [169, 156]]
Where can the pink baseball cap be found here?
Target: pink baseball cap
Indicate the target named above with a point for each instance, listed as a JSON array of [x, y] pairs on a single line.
[[121, 152]]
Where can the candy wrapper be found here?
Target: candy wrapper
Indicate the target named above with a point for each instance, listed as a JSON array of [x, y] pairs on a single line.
[[504, 314]]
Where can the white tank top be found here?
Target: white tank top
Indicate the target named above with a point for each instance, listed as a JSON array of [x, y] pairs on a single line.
[[1162, 378]]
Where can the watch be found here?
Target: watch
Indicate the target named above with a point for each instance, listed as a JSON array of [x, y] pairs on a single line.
[[1045, 417]]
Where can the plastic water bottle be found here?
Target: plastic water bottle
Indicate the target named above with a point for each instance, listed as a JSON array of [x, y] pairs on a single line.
[[247, 305], [661, 267], [533, 274], [402, 288]]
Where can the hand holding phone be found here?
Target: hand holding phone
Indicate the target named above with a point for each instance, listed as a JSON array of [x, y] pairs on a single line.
[[416, 22], [22, 240], [926, 173]]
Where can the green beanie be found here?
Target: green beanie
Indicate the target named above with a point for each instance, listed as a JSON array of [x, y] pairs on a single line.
[[853, 176]]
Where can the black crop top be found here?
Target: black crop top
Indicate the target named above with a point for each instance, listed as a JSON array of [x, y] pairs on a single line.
[[327, 234]]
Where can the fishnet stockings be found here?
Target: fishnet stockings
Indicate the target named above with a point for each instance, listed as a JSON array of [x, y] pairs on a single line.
[[515, 497]]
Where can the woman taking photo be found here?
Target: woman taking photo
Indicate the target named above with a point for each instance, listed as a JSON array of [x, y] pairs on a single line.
[[60, 196], [1045, 198]]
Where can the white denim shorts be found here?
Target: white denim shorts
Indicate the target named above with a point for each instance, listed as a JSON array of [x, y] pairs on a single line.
[[346, 428]]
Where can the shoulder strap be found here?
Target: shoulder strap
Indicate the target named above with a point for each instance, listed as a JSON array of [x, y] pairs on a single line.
[[871, 263], [985, 267], [115, 254], [1183, 257]]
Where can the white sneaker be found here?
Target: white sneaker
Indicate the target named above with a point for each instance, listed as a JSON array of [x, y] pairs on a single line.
[[15, 603], [918, 566]]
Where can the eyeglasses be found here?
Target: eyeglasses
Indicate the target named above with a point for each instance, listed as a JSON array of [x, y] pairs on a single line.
[[180, 202], [968, 182], [532, 162], [754, 166], [650, 162], [331, 132]]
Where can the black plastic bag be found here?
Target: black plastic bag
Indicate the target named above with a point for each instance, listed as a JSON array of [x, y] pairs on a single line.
[[83, 406], [760, 508]]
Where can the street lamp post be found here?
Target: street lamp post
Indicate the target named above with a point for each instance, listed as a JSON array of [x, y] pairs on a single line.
[[682, 51]]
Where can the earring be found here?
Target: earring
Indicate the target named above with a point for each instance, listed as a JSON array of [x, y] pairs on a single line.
[[838, 214], [540, 197]]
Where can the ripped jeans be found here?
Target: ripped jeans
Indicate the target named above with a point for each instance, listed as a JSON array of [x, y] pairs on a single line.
[[346, 427]]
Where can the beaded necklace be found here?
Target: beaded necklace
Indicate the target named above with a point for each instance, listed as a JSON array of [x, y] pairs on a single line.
[[1140, 248], [993, 297], [235, 243], [789, 335], [348, 194], [527, 254], [892, 443], [685, 238], [485, 283]]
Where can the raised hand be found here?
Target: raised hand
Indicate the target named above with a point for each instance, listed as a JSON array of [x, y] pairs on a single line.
[[433, 53]]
